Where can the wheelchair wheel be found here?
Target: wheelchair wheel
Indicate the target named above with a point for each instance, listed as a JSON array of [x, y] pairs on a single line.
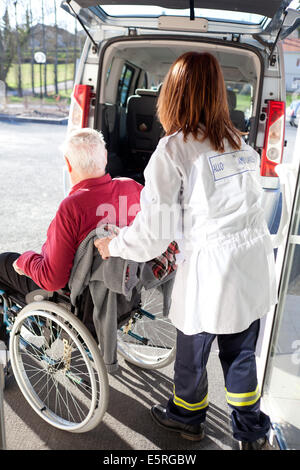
[[58, 367], [149, 338]]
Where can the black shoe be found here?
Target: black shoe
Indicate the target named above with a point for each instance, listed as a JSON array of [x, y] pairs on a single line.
[[261, 444], [193, 432]]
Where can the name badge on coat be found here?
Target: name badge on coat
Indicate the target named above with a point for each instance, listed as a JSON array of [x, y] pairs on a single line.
[[231, 164]]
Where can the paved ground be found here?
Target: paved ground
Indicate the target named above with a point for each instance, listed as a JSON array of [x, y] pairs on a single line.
[[31, 182], [30, 191], [127, 424]]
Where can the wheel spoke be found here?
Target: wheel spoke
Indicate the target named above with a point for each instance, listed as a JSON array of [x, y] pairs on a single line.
[[159, 332]]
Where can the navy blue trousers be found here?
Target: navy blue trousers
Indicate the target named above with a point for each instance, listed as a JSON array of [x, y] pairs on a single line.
[[189, 403]]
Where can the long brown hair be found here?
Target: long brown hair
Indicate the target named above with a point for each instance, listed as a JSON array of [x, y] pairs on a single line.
[[194, 93]]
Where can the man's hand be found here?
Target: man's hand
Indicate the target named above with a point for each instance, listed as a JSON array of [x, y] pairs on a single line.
[[18, 270], [102, 246]]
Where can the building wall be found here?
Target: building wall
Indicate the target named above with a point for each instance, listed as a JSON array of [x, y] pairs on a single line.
[[292, 70]]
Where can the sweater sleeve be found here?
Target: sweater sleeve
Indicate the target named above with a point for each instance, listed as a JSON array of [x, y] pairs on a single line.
[[51, 268], [155, 226]]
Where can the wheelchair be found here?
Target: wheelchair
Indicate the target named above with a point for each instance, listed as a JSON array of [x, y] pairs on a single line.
[[57, 363]]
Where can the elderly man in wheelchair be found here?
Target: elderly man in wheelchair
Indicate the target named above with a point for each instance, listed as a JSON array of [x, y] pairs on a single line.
[[64, 313]]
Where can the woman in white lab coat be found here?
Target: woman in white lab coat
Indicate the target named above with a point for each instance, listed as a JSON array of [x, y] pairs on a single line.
[[202, 189]]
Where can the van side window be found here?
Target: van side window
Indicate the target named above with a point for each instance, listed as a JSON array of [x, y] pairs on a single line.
[[144, 84], [109, 70], [124, 84]]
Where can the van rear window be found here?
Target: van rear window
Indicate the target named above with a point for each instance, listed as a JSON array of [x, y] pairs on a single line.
[[155, 11]]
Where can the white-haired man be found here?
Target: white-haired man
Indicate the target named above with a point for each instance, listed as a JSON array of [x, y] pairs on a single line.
[[94, 199]]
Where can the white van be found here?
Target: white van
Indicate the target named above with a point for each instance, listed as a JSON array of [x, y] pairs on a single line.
[[128, 51], [130, 47]]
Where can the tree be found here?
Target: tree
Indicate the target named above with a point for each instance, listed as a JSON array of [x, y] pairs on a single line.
[[67, 44], [75, 46], [31, 33], [19, 69], [44, 48], [22, 34], [56, 49], [7, 46]]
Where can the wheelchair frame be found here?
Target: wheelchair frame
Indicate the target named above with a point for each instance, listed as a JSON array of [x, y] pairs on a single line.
[[46, 338], [2, 425]]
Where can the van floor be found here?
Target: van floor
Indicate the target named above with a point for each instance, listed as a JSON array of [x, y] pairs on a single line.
[[127, 425]]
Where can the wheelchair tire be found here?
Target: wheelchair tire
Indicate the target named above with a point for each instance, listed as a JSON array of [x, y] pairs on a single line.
[[149, 339], [58, 367]]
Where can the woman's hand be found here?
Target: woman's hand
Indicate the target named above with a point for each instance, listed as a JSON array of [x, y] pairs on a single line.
[[102, 246]]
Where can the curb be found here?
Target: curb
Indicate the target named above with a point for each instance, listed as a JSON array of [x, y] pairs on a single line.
[[12, 118]]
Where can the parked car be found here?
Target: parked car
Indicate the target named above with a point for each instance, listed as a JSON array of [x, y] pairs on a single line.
[[293, 113], [130, 47]]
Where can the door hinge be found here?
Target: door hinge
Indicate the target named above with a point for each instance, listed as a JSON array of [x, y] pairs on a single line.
[[272, 55], [273, 60], [235, 37], [132, 32]]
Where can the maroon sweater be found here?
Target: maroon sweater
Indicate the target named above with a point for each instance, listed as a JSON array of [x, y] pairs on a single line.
[[90, 203]]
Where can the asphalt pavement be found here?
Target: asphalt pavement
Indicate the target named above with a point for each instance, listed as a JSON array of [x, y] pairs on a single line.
[[31, 169]]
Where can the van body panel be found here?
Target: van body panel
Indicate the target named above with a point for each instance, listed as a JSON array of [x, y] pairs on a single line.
[[114, 33]]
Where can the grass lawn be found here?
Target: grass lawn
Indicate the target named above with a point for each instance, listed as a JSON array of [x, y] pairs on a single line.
[[63, 73], [243, 102], [291, 97], [51, 98]]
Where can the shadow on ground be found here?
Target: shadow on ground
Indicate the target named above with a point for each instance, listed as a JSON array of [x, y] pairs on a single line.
[[127, 424]]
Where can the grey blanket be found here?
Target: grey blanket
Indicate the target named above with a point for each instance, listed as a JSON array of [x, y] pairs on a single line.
[[115, 286]]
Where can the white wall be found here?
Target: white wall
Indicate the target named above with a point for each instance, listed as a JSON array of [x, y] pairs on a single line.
[[292, 71]]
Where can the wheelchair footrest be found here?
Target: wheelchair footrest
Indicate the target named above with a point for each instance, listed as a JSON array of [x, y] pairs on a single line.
[[139, 338]]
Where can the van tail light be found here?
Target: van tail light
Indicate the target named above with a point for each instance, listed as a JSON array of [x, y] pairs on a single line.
[[80, 106], [274, 138]]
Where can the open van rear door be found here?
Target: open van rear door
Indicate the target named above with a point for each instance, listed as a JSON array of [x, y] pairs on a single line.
[[256, 17], [266, 8]]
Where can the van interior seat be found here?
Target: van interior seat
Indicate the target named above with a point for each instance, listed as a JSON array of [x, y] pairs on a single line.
[[143, 127], [237, 117]]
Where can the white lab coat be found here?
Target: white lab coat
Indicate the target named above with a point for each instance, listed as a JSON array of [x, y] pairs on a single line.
[[226, 273]]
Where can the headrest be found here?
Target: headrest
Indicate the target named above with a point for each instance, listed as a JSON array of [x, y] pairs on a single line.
[[148, 92], [145, 92], [231, 97]]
